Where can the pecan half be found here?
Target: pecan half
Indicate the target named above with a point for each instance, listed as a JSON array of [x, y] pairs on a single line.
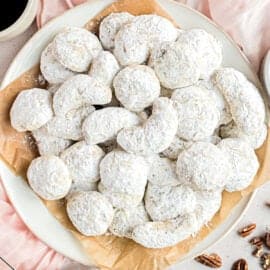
[[256, 241], [247, 230], [258, 252], [241, 264], [212, 260], [265, 261], [267, 239]]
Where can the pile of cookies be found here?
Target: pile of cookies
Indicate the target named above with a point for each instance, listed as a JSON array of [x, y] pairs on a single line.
[[140, 128]]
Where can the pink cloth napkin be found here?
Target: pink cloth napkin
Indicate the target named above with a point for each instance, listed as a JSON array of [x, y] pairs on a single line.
[[247, 21]]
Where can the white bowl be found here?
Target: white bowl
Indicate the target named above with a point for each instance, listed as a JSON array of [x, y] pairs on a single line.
[[265, 72], [22, 23]]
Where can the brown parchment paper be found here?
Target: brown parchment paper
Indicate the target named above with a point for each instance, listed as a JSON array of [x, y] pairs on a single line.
[[110, 252]]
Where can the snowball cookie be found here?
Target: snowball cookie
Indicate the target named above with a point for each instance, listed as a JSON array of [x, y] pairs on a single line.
[[83, 162], [221, 103], [49, 177], [134, 40], [165, 202], [136, 87], [162, 171], [198, 115], [109, 27], [75, 48], [125, 220], [121, 200], [155, 135], [203, 165], [175, 65], [161, 234], [104, 124], [246, 104], [90, 212], [124, 172], [31, 109], [48, 144], [51, 69], [208, 49], [80, 90], [244, 163], [104, 67], [69, 126]]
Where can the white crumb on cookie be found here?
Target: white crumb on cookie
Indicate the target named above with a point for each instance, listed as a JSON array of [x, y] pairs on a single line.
[[103, 125], [104, 67], [48, 144], [156, 134], [203, 165], [244, 163], [83, 162], [31, 109], [165, 202], [136, 87], [162, 171], [208, 49], [121, 200], [124, 172], [69, 126], [51, 69], [90, 212], [80, 90], [175, 65], [198, 115], [109, 27], [75, 48], [49, 177], [125, 220]]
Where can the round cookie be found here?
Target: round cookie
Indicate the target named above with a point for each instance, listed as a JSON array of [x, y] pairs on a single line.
[[244, 163], [75, 48], [31, 109], [49, 177], [51, 69], [203, 165], [109, 27], [90, 212], [104, 67], [136, 87], [198, 115]]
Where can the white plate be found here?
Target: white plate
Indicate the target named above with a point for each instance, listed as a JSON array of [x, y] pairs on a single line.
[[27, 204]]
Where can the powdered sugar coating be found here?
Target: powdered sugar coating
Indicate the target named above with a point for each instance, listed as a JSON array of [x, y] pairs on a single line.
[[124, 172], [80, 90], [48, 144], [104, 67], [161, 234], [125, 220], [208, 49], [103, 125], [121, 200], [52, 88], [244, 163], [51, 69], [198, 115], [49, 177], [155, 135], [134, 40], [175, 65], [136, 87], [162, 171], [31, 109], [83, 162], [75, 48], [203, 165], [90, 212], [109, 27], [165, 202], [246, 104], [69, 126]]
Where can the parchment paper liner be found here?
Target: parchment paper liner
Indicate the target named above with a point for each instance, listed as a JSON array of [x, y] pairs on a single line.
[[109, 252]]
